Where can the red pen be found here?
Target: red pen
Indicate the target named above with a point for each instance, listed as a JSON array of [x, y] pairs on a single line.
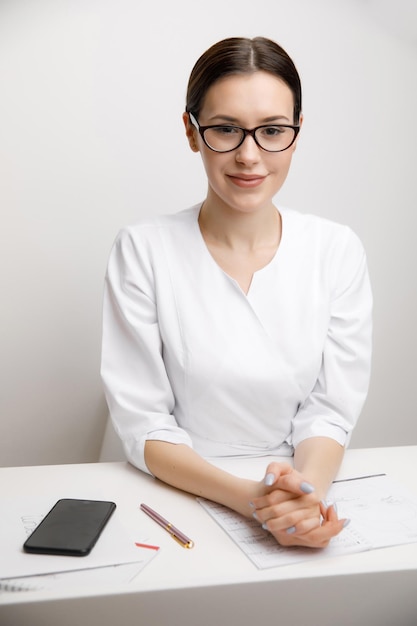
[[176, 534]]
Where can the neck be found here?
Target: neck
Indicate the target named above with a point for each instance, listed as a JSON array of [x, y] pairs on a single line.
[[239, 230]]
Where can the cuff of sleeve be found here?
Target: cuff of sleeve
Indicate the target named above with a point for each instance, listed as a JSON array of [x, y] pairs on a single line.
[[330, 430], [135, 449]]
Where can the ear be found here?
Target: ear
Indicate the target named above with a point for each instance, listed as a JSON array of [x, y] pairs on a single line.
[[191, 132]]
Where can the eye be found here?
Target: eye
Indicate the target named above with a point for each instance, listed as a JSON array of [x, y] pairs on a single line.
[[273, 131], [226, 130]]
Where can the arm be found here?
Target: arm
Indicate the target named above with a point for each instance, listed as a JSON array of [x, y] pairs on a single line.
[[136, 384], [322, 426], [180, 466], [319, 459]]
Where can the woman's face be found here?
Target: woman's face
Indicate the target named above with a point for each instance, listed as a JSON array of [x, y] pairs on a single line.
[[247, 178]]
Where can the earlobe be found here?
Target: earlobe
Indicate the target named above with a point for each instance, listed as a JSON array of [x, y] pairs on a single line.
[[193, 144], [190, 132]]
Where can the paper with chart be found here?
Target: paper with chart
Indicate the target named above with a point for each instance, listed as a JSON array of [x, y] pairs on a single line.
[[382, 513]]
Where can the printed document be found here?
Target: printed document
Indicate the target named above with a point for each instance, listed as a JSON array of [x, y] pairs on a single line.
[[382, 514]]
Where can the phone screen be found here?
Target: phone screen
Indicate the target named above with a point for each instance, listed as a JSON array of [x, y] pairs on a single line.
[[71, 527]]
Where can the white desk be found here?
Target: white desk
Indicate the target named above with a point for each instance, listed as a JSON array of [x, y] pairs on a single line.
[[215, 583]]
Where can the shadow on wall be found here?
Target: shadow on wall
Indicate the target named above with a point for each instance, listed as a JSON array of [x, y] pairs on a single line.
[[111, 448]]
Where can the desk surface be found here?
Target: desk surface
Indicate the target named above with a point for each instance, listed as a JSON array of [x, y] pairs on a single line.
[[215, 582]]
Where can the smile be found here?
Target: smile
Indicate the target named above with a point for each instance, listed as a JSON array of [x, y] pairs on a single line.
[[247, 181]]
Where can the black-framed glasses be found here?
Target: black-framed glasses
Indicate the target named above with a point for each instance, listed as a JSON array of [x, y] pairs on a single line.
[[228, 137]]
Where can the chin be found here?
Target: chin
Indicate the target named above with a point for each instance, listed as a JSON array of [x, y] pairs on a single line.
[[251, 205]]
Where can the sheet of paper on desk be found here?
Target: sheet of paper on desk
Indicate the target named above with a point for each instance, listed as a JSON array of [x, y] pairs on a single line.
[[382, 514], [115, 547], [112, 575]]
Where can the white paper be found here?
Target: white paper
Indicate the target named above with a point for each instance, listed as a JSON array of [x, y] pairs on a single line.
[[382, 513], [111, 575], [19, 517]]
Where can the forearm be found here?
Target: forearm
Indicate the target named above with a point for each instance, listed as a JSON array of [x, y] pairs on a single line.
[[180, 466], [318, 459]]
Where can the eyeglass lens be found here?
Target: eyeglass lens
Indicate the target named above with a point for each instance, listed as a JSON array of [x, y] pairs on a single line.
[[271, 138]]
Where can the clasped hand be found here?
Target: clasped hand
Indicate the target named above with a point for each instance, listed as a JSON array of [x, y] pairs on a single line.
[[292, 511]]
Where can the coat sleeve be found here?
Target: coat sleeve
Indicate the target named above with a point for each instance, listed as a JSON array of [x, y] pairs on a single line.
[[334, 404], [136, 385]]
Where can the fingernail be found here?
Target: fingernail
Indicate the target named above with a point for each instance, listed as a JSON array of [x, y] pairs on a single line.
[[269, 479], [306, 488], [255, 516], [346, 523], [291, 530], [251, 504], [264, 526], [324, 503]]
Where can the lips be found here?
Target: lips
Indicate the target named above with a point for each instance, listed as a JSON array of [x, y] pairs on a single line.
[[247, 180]]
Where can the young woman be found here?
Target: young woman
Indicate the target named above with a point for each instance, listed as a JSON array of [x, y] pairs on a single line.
[[235, 328]]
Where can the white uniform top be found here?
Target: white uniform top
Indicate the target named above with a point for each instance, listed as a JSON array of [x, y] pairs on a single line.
[[189, 358]]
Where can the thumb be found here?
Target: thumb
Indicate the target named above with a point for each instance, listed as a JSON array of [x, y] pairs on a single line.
[[276, 470]]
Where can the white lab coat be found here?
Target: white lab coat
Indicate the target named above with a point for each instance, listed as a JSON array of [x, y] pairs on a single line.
[[187, 357]]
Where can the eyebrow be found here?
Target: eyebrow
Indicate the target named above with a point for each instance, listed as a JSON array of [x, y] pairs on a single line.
[[234, 120]]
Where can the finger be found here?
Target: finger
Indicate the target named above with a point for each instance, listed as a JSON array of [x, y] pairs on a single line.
[[323, 508], [304, 526], [331, 513], [307, 531], [328, 513], [274, 498], [294, 483], [332, 516], [289, 519], [276, 470], [279, 502], [319, 537]]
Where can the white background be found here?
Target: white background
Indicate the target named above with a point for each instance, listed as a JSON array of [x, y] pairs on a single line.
[[91, 138]]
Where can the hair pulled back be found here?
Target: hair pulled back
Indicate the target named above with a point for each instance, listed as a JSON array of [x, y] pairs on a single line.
[[240, 55]]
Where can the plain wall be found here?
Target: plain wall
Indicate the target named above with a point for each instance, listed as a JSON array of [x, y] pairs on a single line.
[[91, 138]]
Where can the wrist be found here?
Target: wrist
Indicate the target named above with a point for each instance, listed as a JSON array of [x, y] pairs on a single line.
[[318, 460], [244, 492]]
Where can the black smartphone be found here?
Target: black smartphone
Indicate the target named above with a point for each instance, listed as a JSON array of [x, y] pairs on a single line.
[[71, 527]]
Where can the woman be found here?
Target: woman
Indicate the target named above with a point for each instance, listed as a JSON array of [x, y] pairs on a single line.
[[235, 328]]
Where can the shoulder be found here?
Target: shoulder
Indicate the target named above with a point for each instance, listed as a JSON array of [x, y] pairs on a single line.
[[153, 226], [313, 231], [140, 248], [142, 243], [328, 249]]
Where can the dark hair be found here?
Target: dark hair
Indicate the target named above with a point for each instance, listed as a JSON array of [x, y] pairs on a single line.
[[240, 55]]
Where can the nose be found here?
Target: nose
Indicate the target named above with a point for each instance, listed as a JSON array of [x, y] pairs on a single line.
[[248, 151]]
